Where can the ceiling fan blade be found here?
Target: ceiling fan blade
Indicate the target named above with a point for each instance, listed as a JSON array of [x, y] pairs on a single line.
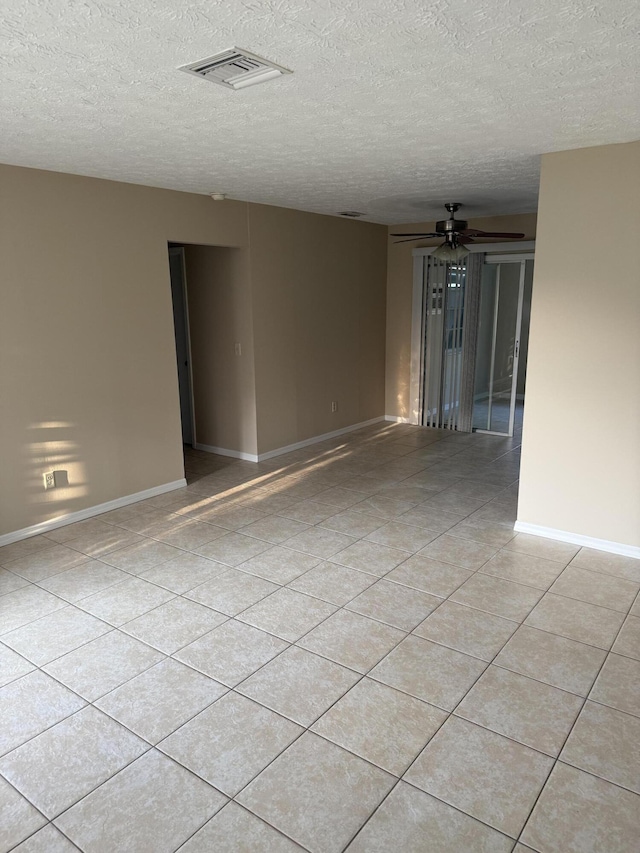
[[411, 239], [418, 236], [473, 232]]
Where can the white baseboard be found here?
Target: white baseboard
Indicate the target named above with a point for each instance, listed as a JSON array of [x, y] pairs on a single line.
[[316, 439], [394, 420], [578, 539], [89, 512], [223, 451], [280, 451]]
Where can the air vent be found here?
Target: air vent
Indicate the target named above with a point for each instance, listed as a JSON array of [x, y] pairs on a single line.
[[352, 214], [235, 69]]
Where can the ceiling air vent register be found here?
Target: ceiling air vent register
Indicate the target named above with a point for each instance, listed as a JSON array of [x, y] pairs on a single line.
[[235, 69]]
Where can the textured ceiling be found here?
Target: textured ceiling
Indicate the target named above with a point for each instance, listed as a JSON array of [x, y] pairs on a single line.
[[395, 106]]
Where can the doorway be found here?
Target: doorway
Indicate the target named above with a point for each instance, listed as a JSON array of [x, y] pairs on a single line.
[[177, 270], [469, 338], [501, 355]]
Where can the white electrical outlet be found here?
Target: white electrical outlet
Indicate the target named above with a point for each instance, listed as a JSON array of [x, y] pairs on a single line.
[[238, 349], [334, 406], [49, 480]]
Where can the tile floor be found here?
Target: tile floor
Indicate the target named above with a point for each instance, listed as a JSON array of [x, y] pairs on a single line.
[[344, 648]]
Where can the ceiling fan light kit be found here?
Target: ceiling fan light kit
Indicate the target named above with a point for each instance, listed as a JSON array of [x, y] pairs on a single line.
[[456, 233]]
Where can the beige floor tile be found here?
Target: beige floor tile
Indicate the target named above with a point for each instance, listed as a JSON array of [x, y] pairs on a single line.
[[153, 804], [606, 742], [338, 497], [30, 705], [482, 773], [46, 562], [523, 568], [184, 573], [552, 659], [232, 549], [628, 640], [159, 700], [459, 552], [287, 614], [405, 537], [230, 742], [431, 517], [317, 794], [353, 523], [10, 582], [497, 535], [428, 575], [23, 605], [29, 546], [231, 652], [320, 542], [280, 565], [467, 630], [65, 762], [352, 640], [608, 564], [538, 546], [381, 725], [234, 518], [596, 588], [618, 684], [275, 529], [235, 830], [428, 671], [579, 813], [384, 507], [535, 714], [232, 591], [125, 601], [414, 822], [46, 840], [139, 558], [299, 685], [311, 512], [95, 543], [369, 557], [394, 604], [55, 634], [84, 580], [103, 664], [576, 620], [333, 583], [19, 818], [497, 596], [174, 624], [461, 504], [186, 533], [12, 665]]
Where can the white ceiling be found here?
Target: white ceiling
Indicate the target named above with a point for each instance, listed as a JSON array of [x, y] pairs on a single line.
[[395, 106]]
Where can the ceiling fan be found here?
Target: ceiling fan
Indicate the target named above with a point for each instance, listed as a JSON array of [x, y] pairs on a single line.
[[456, 234]]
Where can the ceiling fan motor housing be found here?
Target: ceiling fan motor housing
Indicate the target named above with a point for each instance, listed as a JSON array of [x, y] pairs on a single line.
[[447, 226]]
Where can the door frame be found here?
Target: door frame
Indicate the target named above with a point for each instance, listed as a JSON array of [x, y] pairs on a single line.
[[514, 258], [179, 250], [502, 250]]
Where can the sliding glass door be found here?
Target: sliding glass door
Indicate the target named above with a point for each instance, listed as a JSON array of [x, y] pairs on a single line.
[[498, 381]]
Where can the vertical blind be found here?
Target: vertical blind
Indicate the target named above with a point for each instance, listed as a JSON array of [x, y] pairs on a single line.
[[451, 297]]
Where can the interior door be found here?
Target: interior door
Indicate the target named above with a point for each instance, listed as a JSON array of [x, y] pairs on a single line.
[[502, 292]]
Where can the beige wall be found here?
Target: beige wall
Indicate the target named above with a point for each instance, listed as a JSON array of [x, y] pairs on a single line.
[[88, 380], [220, 316], [581, 444], [319, 316], [399, 299]]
